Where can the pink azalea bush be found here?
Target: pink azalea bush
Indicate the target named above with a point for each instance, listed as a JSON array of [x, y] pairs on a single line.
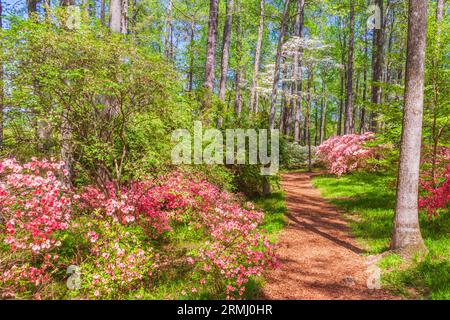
[[435, 187], [233, 246], [119, 238], [343, 154], [34, 205]]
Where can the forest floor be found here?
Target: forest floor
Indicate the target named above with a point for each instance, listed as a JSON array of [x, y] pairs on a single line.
[[319, 259]]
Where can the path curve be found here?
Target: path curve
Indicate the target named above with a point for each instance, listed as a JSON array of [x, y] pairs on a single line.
[[318, 256]]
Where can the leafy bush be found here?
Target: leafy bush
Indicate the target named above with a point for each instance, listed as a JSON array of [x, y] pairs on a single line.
[[118, 236], [297, 155]]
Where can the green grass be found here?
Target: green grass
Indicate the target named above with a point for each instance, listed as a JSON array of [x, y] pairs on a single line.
[[369, 200], [274, 207]]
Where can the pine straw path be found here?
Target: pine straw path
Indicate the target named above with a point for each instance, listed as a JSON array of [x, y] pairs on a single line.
[[318, 256]]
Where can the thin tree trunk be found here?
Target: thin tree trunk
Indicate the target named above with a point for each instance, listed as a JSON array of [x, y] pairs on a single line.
[[434, 131], [238, 96], [377, 65], [168, 43], [406, 232], [308, 117], [225, 50], [252, 107], [31, 6], [439, 10], [343, 75], [362, 123], [102, 12], [191, 58], [348, 127], [224, 59], [276, 77], [211, 51], [323, 113], [298, 70]]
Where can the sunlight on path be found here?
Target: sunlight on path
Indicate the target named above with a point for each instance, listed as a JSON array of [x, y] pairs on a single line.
[[319, 259]]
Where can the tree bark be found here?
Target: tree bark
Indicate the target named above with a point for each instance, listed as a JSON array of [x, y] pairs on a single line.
[[118, 16], [377, 65], [439, 10], [298, 70], [406, 232], [252, 107], [102, 12], [237, 95], [31, 6], [362, 123], [168, 37], [225, 50], [343, 73], [308, 116], [276, 76], [323, 114], [348, 127], [211, 50]]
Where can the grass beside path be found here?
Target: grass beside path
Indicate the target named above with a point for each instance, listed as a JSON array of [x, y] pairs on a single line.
[[369, 200]]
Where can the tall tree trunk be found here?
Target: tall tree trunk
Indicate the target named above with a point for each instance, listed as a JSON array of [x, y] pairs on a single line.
[[102, 12], [323, 114], [341, 103], [308, 116], [225, 50], [348, 127], [316, 121], [115, 15], [276, 76], [64, 3], [298, 70], [224, 59], [284, 105], [406, 232], [31, 6], [237, 95], [439, 10], [211, 51], [168, 37], [343, 75], [252, 107], [191, 57], [435, 133], [362, 123], [377, 65]]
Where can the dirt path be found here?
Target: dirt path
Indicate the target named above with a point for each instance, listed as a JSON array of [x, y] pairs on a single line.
[[319, 259]]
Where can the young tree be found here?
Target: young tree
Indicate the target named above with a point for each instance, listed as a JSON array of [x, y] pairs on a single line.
[[211, 50], [238, 71], [377, 64], [276, 77], [225, 50], [406, 232], [298, 70], [348, 127], [168, 36], [252, 106]]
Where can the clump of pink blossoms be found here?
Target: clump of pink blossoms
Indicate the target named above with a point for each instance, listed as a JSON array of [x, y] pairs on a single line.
[[343, 154]]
